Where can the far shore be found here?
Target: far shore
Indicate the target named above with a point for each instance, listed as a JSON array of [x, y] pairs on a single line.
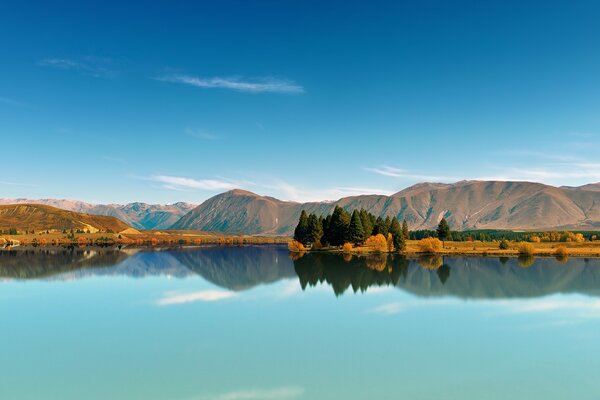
[[478, 248], [141, 238]]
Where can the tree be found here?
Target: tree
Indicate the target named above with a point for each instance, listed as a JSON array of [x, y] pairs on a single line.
[[405, 231], [300, 233], [397, 236], [443, 230], [355, 230], [380, 227], [314, 229], [365, 219], [338, 226]]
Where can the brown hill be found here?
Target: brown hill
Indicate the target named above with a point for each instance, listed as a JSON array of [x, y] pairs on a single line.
[[465, 204], [138, 215], [41, 217]]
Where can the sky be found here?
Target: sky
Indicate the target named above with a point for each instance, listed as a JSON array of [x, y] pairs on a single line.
[[302, 100]]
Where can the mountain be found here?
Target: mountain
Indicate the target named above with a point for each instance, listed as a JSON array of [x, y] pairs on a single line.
[[465, 204], [41, 217], [138, 215]]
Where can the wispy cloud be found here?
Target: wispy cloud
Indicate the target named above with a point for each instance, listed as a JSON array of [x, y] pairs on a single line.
[[12, 102], [388, 309], [200, 134], [394, 172], [261, 85], [205, 296], [291, 192], [90, 66], [575, 307], [8, 183], [182, 183], [280, 393]]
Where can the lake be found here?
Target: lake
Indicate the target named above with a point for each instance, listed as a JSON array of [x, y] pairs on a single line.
[[244, 323]]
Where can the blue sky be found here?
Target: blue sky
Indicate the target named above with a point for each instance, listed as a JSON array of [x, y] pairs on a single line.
[[301, 100]]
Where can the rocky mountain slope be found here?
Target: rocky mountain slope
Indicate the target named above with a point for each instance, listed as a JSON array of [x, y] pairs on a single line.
[[465, 204]]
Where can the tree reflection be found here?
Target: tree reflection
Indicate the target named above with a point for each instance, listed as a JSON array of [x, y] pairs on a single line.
[[358, 273]]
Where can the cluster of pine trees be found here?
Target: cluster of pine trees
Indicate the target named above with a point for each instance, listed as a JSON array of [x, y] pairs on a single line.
[[342, 227]]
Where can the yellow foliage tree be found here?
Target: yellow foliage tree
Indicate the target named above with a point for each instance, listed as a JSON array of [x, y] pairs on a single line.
[[295, 246], [377, 243], [390, 243], [430, 245], [525, 248], [347, 247]]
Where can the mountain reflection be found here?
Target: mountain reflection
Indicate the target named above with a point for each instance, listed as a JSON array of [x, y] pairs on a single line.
[[242, 268]]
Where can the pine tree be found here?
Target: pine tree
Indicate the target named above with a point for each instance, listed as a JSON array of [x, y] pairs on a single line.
[[443, 230], [338, 227], [326, 239], [355, 230], [405, 231], [380, 227], [397, 236], [365, 219], [315, 229], [301, 231]]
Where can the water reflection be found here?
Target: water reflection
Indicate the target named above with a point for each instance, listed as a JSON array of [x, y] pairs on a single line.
[[242, 268]]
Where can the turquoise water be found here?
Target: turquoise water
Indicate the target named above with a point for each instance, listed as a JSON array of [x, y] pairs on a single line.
[[244, 323]]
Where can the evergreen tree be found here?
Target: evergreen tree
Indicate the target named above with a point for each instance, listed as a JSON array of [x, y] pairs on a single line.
[[443, 230], [338, 226], [301, 231], [380, 227], [326, 239], [365, 219], [405, 231], [356, 233], [315, 229], [397, 236]]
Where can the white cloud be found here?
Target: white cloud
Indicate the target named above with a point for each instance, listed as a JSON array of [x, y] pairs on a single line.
[[15, 183], [575, 307], [182, 183], [290, 192], [183, 298], [262, 85], [281, 393], [388, 309], [90, 66], [394, 172]]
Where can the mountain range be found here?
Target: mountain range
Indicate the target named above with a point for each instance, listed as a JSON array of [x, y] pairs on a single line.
[[43, 217], [137, 215], [465, 205]]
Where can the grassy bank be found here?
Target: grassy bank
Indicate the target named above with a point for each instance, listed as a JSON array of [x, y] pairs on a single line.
[[142, 238], [478, 248]]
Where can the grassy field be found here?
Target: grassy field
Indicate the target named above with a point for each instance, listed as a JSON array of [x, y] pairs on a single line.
[[584, 249], [142, 238], [478, 248]]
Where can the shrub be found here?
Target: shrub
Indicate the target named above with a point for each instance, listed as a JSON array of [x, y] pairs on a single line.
[[347, 247], [526, 248], [503, 245], [295, 246], [430, 245], [377, 243], [535, 239], [390, 243], [561, 251]]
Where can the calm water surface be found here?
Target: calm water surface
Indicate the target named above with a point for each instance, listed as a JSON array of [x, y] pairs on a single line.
[[245, 323]]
